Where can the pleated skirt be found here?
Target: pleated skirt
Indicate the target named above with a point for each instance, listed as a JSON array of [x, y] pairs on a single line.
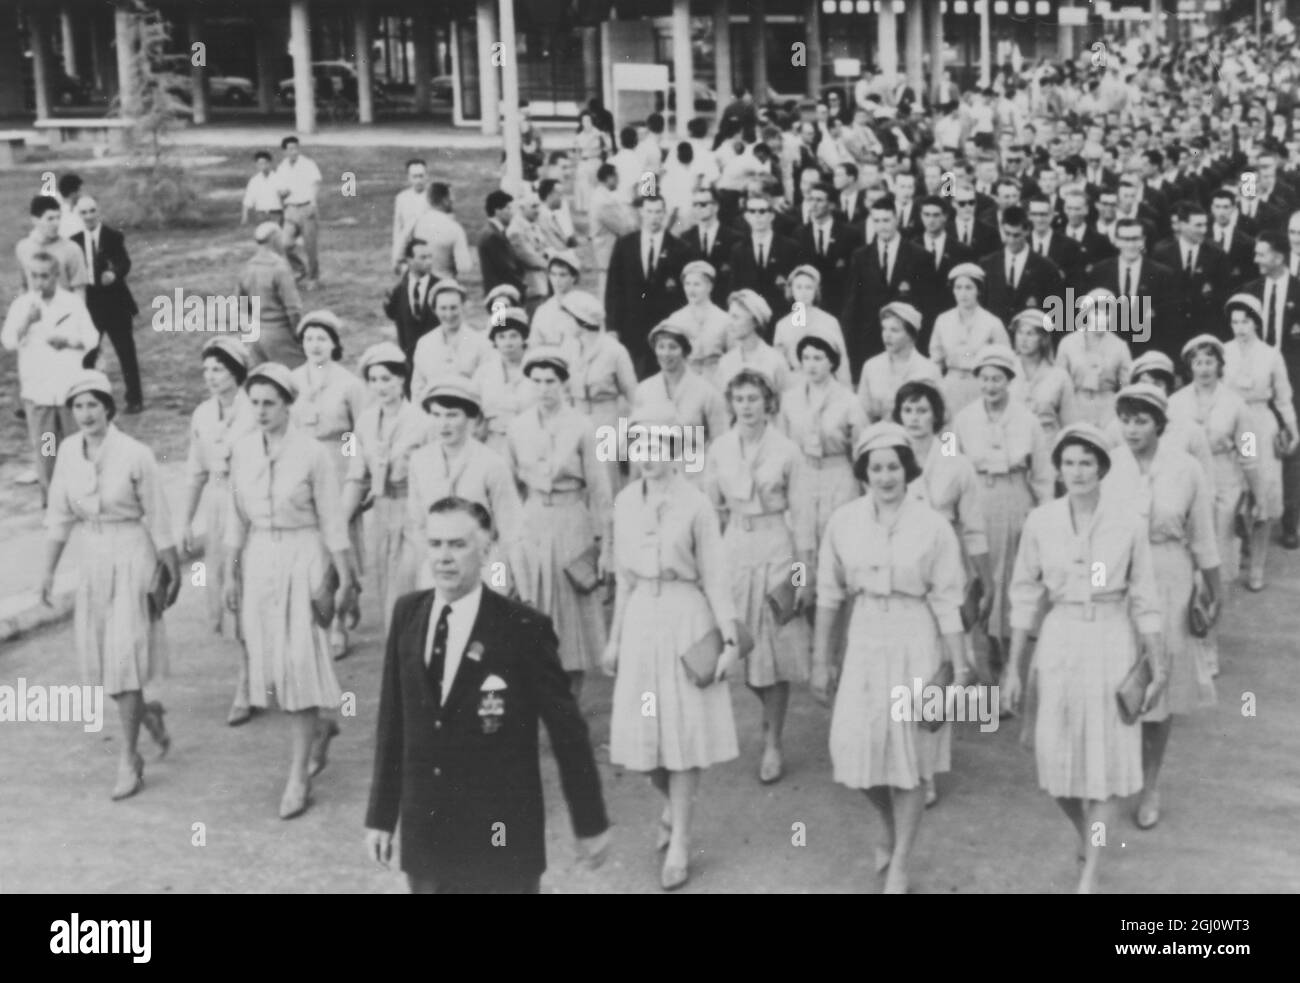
[[1095, 406], [660, 719], [1006, 504], [892, 642], [394, 565], [823, 486], [1191, 659], [1083, 749], [761, 558], [216, 505], [1264, 426], [552, 536], [356, 528], [605, 413], [289, 659], [118, 647], [1229, 483]]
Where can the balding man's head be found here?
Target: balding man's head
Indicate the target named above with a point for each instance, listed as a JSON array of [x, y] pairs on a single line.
[[88, 209]]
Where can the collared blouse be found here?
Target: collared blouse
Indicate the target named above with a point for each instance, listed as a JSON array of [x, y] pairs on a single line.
[[1224, 419], [707, 327], [1258, 374], [694, 402], [506, 392], [213, 432], [553, 327], [1105, 366], [121, 485], [764, 359], [1180, 434], [294, 487], [1049, 393], [330, 400], [949, 485], [758, 480], [1066, 564], [1015, 442], [915, 554], [434, 356], [954, 344], [603, 371], [1173, 497], [822, 426], [786, 338], [883, 376], [477, 473], [385, 442], [558, 454]]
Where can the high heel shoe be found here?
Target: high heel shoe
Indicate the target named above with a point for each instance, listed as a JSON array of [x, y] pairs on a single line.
[[672, 876], [153, 723], [326, 731], [130, 782], [295, 800], [664, 836], [239, 714], [338, 638]]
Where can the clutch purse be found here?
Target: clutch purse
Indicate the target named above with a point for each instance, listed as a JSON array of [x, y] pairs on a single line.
[[322, 599], [1283, 432], [159, 586], [943, 679], [582, 570], [700, 661], [1199, 621], [1244, 516], [780, 601], [1132, 690], [970, 607]]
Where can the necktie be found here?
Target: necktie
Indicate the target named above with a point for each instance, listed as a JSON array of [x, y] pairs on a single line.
[[1188, 263], [1011, 273], [417, 293], [760, 256], [1042, 248], [438, 654], [650, 261], [90, 256], [965, 234], [884, 262], [821, 241], [704, 241], [1128, 281], [934, 251], [1218, 237], [1270, 314]]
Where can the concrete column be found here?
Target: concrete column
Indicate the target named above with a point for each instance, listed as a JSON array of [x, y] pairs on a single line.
[[304, 83], [887, 38], [514, 175], [591, 59], [915, 47], [265, 45], [97, 76], [683, 72], [722, 53], [758, 41], [936, 47], [422, 63], [36, 26], [488, 99], [124, 28], [1065, 36], [1157, 21], [813, 33], [198, 73], [986, 41], [365, 80], [69, 43]]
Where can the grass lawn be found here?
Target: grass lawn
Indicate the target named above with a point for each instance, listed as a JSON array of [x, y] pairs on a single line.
[[354, 251]]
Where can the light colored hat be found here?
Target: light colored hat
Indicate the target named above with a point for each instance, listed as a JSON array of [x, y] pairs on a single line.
[[452, 386], [808, 270], [1146, 393], [320, 319], [753, 302], [1089, 434], [569, 258], [1204, 339], [972, 270], [669, 329], [232, 347], [1038, 318], [514, 318], [447, 285], [1246, 302], [502, 293], [1151, 361], [384, 351], [265, 230], [880, 435], [583, 308], [277, 374], [702, 267], [88, 381], [552, 357], [1000, 356], [906, 313]]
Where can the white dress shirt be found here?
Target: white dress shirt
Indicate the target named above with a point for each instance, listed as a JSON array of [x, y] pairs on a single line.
[[1278, 288], [91, 247], [1015, 263], [657, 240], [1041, 244], [69, 221], [1223, 235], [45, 372], [263, 193], [763, 245], [301, 179], [708, 237], [821, 235], [460, 623]]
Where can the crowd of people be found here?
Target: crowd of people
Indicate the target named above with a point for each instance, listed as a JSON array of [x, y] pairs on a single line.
[[924, 460]]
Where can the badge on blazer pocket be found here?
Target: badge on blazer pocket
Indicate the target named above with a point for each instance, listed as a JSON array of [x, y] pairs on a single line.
[[492, 703], [904, 288]]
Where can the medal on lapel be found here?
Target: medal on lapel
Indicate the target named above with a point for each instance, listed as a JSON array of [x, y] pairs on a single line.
[[491, 701]]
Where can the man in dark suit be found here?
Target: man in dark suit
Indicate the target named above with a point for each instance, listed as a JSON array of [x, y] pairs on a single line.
[[1093, 246], [496, 257], [710, 240], [828, 244], [645, 281], [1063, 252], [966, 229], [889, 268], [467, 675], [763, 260], [1253, 214], [1200, 279], [942, 253], [850, 200], [108, 298], [909, 210], [1014, 277], [1231, 239], [1148, 283], [409, 305]]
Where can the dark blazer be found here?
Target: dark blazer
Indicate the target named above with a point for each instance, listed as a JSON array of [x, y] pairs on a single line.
[[858, 204], [1290, 319], [783, 256], [935, 295], [1267, 217], [1241, 257], [719, 256], [633, 304], [1156, 283], [450, 782], [909, 225], [1065, 254], [867, 292], [1039, 279], [1196, 306], [498, 262], [1093, 248], [112, 305], [984, 237], [411, 324], [834, 266]]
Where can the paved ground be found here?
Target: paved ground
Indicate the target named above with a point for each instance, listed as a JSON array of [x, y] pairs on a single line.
[[1231, 797]]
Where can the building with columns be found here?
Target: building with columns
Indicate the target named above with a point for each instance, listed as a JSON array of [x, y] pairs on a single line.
[[402, 57]]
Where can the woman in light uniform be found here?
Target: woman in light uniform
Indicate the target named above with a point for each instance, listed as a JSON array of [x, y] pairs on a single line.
[[552, 325], [506, 390], [705, 322], [564, 535], [286, 519], [749, 316], [329, 403], [900, 362], [1157, 369], [752, 472], [960, 333], [678, 392], [806, 318], [1045, 387], [388, 431], [1092, 560], [602, 379], [673, 589], [1168, 488], [107, 485], [899, 562], [1096, 359]]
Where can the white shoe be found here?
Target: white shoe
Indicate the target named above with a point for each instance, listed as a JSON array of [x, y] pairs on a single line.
[[28, 477]]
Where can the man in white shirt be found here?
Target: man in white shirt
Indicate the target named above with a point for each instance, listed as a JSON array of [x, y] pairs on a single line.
[[446, 236], [262, 200], [609, 217], [408, 206], [300, 180], [70, 262], [549, 218], [52, 332], [628, 162]]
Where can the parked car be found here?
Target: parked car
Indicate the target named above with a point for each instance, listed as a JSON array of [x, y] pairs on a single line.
[[334, 80], [223, 90], [442, 88]]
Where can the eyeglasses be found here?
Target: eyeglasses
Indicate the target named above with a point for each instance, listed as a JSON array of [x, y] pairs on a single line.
[[965, 202], [1128, 238], [758, 211], [702, 204]]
